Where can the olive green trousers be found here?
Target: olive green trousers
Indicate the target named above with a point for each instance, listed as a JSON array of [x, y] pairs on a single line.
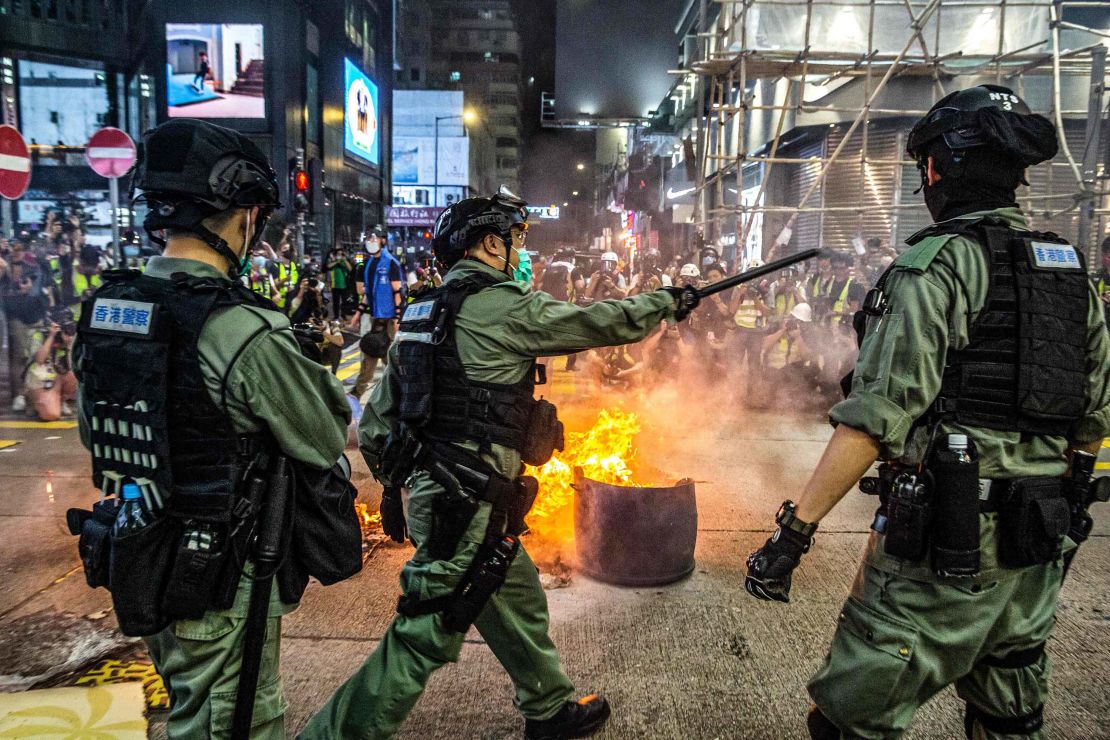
[[905, 634], [199, 661], [375, 701]]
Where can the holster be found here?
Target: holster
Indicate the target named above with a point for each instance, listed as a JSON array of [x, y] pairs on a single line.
[[909, 512], [1033, 521], [402, 455], [94, 530]]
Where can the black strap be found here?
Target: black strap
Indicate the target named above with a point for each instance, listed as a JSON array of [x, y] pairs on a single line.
[[1025, 724], [1016, 659]]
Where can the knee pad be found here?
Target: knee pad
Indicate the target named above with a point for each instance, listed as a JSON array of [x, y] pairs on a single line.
[[820, 726], [1025, 724]]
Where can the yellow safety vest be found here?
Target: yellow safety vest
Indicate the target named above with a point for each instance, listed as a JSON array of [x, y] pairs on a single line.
[[81, 283], [284, 272], [784, 304], [747, 315], [838, 306]]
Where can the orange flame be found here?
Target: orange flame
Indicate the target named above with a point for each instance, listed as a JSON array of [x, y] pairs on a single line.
[[605, 453], [366, 519]]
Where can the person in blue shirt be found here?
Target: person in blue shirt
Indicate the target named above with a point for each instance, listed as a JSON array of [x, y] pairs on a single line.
[[383, 286]]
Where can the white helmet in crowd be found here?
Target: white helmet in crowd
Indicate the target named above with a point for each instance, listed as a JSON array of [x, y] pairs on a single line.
[[689, 270], [610, 257], [802, 312]]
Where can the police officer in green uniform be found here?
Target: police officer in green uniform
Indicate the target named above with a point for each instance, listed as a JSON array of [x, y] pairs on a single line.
[[451, 420], [984, 368], [205, 374]]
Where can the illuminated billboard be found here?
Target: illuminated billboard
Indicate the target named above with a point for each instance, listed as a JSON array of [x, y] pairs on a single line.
[[215, 70], [360, 113]]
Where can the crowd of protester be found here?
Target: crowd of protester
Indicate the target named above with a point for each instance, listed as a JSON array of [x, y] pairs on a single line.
[[787, 338]]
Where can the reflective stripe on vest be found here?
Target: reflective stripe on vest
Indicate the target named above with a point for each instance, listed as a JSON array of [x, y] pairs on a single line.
[[747, 315], [838, 306]]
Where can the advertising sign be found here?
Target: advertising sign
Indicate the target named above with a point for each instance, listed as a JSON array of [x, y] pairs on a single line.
[[360, 114], [411, 215], [414, 160], [215, 70]]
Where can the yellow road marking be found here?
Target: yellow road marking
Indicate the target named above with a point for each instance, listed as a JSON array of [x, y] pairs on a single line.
[[1102, 466], [6, 443], [37, 424], [1106, 444], [114, 671]]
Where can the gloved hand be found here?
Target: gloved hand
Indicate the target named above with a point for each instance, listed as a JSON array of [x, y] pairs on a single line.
[[686, 299], [770, 567], [393, 514]]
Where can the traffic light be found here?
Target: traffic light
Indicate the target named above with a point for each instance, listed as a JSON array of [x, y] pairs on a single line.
[[300, 185]]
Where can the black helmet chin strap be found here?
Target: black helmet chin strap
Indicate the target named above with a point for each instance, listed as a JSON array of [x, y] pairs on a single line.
[[190, 217]]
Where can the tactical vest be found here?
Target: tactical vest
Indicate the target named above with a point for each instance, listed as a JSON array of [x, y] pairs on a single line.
[[439, 401], [1023, 368], [153, 422]]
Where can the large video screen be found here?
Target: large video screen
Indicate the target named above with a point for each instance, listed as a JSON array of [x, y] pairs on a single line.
[[215, 70], [360, 113], [61, 104]]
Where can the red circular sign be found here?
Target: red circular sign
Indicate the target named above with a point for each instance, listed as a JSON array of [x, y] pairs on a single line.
[[15, 163], [110, 152]]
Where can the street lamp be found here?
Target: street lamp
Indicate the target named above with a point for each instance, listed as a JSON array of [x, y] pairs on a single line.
[[581, 166], [467, 116]]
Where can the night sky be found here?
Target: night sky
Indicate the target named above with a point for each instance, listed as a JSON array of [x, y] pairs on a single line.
[[613, 55]]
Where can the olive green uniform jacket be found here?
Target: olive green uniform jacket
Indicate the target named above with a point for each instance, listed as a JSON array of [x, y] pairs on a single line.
[[499, 332], [271, 386], [904, 633]]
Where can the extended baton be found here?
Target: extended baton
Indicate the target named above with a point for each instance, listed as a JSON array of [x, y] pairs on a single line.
[[756, 273]]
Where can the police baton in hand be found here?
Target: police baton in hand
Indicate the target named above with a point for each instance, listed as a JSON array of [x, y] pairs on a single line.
[[688, 297], [266, 556]]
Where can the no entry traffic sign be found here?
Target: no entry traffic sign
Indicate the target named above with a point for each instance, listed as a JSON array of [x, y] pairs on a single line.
[[110, 152], [15, 163]]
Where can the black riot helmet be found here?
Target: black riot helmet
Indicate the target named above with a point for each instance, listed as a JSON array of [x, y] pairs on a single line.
[[989, 116], [188, 170], [464, 223]]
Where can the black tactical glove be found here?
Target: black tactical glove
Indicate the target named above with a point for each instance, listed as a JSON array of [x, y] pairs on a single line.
[[393, 514], [686, 299], [771, 566]]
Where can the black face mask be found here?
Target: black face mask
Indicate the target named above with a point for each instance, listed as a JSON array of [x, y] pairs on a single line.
[[979, 182]]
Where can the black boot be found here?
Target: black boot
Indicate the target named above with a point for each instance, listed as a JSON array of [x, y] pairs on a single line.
[[580, 718]]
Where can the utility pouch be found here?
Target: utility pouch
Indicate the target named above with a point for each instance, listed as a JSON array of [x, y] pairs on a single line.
[[490, 569], [544, 435], [138, 574], [193, 577], [527, 488], [1032, 522], [94, 544], [908, 518], [955, 530]]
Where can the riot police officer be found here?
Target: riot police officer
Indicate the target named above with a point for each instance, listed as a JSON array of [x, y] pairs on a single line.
[[984, 367], [188, 381], [452, 419]]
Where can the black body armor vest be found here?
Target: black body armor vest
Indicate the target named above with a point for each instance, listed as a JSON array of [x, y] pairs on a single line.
[[1023, 369], [140, 370], [441, 404]]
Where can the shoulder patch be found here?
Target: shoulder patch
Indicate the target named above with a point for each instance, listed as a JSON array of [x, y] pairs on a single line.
[[118, 315], [1054, 256], [918, 257]]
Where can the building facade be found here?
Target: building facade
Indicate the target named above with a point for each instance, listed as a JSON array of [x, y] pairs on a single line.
[[473, 46], [311, 92]]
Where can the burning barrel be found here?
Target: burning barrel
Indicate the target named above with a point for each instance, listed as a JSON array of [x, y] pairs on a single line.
[[635, 536]]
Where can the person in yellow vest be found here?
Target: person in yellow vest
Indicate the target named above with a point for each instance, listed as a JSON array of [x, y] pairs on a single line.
[[749, 313], [818, 285], [86, 277], [286, 275], [845, 291]]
